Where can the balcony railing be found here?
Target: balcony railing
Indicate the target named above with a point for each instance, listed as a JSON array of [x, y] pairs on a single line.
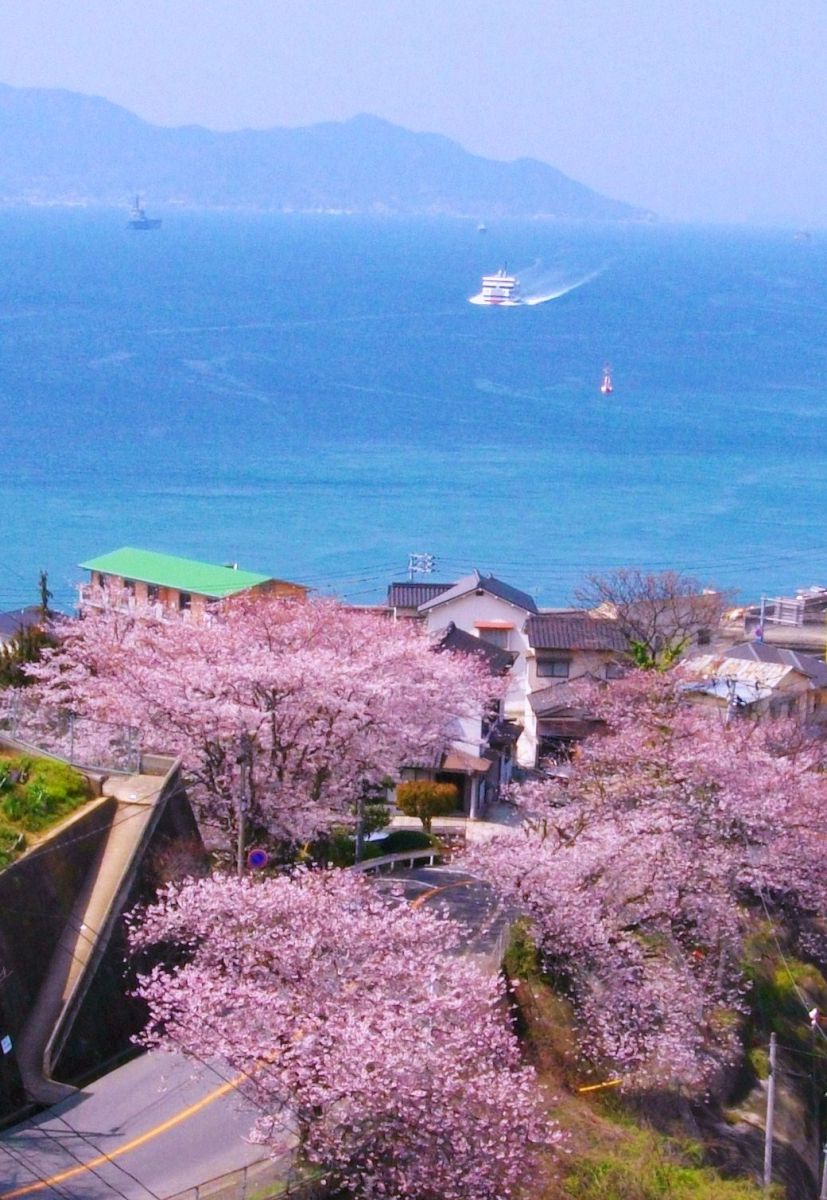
[[105, 599]]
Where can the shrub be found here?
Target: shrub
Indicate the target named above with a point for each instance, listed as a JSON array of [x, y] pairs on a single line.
[[522, 960], [425, 799], [12, 844], [399, 840]]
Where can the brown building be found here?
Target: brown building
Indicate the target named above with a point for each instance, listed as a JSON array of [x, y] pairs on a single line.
[[130, 578]]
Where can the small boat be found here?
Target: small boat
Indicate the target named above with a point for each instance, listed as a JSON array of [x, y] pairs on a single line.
[[139, 220], [500, 288], [606, 385], [482, 227]]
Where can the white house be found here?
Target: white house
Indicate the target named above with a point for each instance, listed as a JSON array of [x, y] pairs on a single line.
[[562, 648], [496, 613]]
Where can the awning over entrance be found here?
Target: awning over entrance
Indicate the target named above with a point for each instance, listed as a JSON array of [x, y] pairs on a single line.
[[567, 727], [469, 764]]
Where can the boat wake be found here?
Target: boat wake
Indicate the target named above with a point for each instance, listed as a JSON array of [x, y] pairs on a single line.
[[553, 289], [539, 285]]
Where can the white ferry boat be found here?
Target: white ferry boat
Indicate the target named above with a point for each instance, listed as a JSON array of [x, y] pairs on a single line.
[[500, 288]]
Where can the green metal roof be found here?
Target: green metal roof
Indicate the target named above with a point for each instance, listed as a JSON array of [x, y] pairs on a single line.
[[166, 570]]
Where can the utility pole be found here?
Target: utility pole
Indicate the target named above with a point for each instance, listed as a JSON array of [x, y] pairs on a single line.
[[45, 594], [420, 564], [359, 840], [770, 1118], [759, 633], [731, 704], [245, 762]]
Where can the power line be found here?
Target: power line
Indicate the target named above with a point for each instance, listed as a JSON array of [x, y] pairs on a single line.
[[103, 1154], [20, 1158], [53, 1136]]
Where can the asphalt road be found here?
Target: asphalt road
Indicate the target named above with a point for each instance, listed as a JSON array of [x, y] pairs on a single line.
[[154, 1127], [469, 901], [145, 1131]]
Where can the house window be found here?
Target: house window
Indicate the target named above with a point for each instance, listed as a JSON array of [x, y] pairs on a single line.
[[497, 637], [555, 668], [614, 670], [184, 601], [152, 592], [704, 637], [490, 717], [129, 586]]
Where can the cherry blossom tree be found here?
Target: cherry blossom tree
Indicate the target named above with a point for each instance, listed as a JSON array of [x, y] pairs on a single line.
[[639, 874], [282, 711], [389, 1057]]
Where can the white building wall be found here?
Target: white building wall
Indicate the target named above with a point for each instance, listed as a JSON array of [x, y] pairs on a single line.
[[465, 612]]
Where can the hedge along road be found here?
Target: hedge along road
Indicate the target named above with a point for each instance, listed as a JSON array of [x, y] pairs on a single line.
[[159, 1125]]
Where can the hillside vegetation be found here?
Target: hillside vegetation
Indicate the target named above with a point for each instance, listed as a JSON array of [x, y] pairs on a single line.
[[615, 1151], [35, 793]]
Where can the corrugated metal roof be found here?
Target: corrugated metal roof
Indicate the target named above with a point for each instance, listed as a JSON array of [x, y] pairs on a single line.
[[167, 570], [411, 595], [580, 632], [486, 583], [721, 666], [733, 691]]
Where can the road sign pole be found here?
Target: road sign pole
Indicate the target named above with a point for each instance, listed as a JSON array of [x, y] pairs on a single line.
[[768, 1134]]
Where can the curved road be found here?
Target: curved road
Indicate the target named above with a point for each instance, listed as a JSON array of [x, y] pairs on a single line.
[[154, 1127]]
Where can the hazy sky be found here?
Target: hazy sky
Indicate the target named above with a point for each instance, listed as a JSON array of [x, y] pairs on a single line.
[[699, 109]]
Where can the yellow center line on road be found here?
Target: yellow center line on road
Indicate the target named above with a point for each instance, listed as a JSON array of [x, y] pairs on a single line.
[[72, 1172], [426, 896]]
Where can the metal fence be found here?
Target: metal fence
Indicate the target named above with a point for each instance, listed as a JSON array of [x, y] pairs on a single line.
[[266, 1179], [83, 741]]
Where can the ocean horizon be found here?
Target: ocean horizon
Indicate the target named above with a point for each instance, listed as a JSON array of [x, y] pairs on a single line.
[[315, 398]]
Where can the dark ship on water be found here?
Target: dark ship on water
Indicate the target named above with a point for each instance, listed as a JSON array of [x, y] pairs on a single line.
[[139, 220]]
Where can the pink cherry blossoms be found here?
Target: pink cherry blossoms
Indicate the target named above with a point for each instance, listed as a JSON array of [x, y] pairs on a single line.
[[639, 874], [390, 1058], [323, 701]]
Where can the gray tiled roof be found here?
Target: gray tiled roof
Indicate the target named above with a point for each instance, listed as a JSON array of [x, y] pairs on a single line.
[[411, 595], [487, 583], [458, 640], [580, 632], [807, 664]]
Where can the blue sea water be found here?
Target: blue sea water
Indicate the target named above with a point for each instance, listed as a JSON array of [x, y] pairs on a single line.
[[314, 397]]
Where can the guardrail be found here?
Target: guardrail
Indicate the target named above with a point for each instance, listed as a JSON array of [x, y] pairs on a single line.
[[265, 1179], [430, 855]]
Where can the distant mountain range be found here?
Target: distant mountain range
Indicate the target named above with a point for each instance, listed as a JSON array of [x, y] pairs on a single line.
[[62, 147]]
